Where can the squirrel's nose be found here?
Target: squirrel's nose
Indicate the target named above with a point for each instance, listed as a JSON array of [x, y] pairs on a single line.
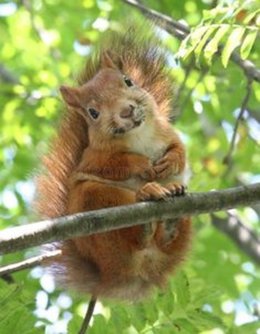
[[127, 111]]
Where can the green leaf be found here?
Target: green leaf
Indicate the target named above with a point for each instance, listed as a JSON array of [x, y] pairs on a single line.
[[247, 328], [191, 41], [184, 326], [203, 296], [75, 323], [205, 320], [233, 42], [19, 321], [204, 40], [250, 16], [248, 43], [212, 45], [138, 316], [16, 311], [98, 325], [182, 289]]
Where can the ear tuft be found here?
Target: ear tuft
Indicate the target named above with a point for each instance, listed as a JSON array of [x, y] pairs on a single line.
[[110, 59], [70, 96]]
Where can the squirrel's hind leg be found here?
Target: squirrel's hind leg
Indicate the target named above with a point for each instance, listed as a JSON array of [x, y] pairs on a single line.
[[173, 236]]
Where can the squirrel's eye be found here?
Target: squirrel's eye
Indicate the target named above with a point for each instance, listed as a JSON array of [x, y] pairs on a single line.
[[93, 113], [128, 82]]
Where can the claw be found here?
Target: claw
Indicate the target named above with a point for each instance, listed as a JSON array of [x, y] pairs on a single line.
[[153, 191], [176, 188]]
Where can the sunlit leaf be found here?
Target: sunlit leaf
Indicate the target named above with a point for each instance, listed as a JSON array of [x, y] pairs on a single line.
[[248, 43], [251, 16], [233, 41], [191, 41], [212, 45], [204, 40]]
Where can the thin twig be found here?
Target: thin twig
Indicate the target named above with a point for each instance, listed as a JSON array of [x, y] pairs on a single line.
[[88, 315], [104, 220], [174, 27], [227, 158], [29, 263], [242, 235]]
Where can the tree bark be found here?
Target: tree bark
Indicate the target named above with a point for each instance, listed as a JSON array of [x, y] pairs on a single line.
[[103, 220]]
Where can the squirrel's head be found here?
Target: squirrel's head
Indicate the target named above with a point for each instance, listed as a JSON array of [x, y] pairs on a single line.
[[111, 103]]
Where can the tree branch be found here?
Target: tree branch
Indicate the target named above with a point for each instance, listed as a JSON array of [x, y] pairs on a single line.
[[181, 31], [242, 235], [248, 67], [227, 158], [172, 26], [28, 263], [103, 220]]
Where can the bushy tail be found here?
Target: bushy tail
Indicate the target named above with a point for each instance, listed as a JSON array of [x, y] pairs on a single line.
[[65, 154]]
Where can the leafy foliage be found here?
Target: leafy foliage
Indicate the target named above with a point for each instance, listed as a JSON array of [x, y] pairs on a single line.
[[43, 44], [234, 24], [15, 304]]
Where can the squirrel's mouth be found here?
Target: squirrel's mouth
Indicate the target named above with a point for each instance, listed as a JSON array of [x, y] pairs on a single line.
[[128, 127]]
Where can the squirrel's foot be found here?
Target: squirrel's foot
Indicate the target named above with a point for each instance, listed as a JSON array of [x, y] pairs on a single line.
[[167, 233], [171, 230], [153, 191], [176, 188], [148, 232]]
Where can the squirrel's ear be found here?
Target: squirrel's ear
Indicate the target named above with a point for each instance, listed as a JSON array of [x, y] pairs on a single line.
[[70, 96], [109, 59]]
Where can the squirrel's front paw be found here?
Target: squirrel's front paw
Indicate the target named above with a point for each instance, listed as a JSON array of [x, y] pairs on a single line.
[[152, 191], [148, 174], [143, 168], [176, 188], [167, 166]]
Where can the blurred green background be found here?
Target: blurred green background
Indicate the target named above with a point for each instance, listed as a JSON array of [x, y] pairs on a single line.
[[43, 45]]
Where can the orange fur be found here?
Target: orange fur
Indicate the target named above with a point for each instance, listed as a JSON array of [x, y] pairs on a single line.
[[115, 147]]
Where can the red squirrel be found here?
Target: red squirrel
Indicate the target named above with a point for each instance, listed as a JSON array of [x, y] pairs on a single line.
[[115, 146]]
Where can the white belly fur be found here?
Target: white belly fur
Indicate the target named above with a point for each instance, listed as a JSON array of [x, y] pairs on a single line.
[[143, 142]]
